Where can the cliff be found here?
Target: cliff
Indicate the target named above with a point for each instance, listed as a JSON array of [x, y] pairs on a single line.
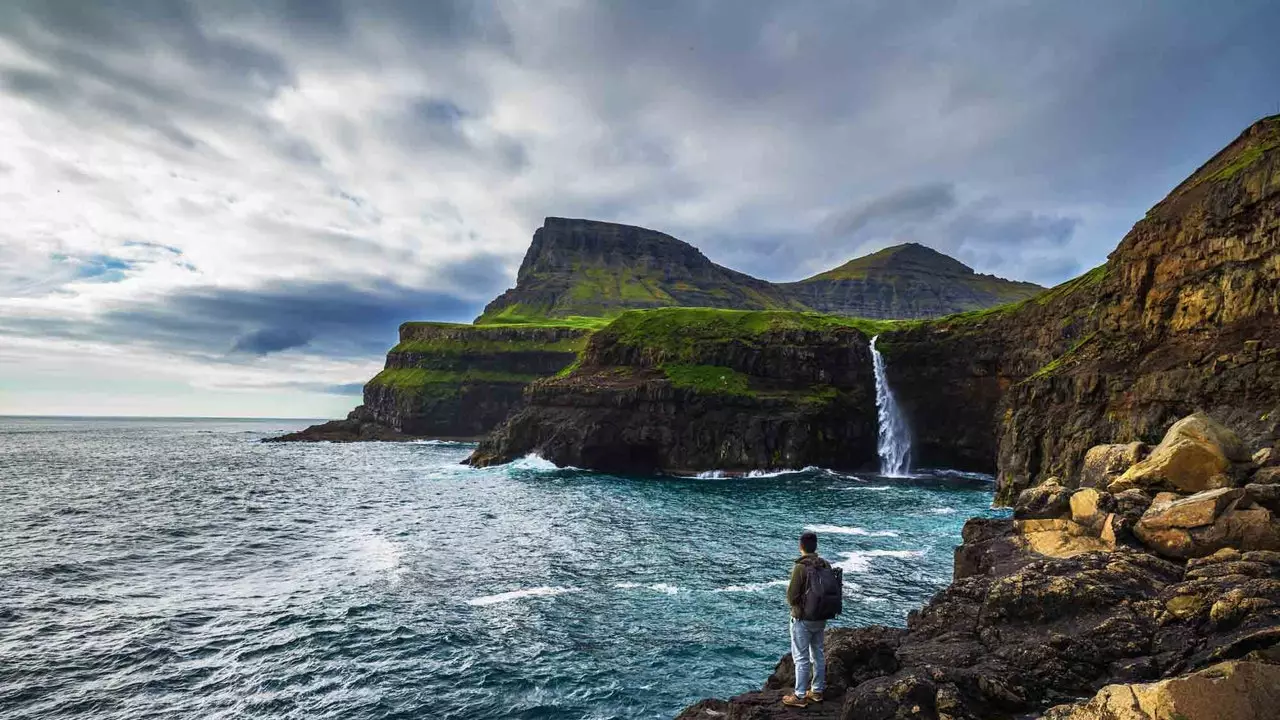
[[598, 269], [446, 380], [684, 390], [906, 281], [1184, 316]]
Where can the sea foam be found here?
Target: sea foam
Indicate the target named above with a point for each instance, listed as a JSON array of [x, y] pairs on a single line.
[[841, 530], [519, 594], [752, 587], [860, 560]]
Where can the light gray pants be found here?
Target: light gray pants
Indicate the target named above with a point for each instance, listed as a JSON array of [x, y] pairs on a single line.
[[806, 651]]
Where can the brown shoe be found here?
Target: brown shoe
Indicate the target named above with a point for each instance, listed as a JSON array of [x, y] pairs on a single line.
[[813, 697], [793, 701]]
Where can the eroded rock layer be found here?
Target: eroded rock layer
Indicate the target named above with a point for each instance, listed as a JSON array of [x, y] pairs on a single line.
[[685, 390], [452, 381]]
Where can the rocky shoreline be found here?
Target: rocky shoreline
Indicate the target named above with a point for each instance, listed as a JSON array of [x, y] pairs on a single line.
[[1138, 599]]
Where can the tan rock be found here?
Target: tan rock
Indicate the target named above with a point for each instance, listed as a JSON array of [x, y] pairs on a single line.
[[1172, 542], [1235, 690], [1105, 463], [1059, 538], [1194, 511], [1084, 505], [1196, 454], [1266, 457]]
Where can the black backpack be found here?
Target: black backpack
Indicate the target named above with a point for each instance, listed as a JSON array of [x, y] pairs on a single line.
[[823, 592]]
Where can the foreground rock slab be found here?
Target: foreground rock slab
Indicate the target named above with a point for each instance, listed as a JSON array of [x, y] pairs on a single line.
[[1228, 691]]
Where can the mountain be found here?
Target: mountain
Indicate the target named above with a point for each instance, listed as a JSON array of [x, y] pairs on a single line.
[[906, 281], [598, 269]]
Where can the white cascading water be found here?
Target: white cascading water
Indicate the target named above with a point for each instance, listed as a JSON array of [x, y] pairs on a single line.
[[895, 436]]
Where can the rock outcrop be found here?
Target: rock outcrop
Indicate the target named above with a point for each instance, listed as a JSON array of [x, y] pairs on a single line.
[[690, 390], [446, 380], [1078, 595], [1235, 690], [906, 281]]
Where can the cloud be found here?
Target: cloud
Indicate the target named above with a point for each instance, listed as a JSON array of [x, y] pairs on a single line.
[[252, 191], [913, 204]]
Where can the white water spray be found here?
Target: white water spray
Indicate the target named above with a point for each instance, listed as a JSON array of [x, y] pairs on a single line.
[[895, 436]]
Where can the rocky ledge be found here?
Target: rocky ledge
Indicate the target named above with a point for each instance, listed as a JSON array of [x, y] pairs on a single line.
[[1152, 602]]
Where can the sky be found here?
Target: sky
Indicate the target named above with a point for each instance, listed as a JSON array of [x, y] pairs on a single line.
[[226, 208]]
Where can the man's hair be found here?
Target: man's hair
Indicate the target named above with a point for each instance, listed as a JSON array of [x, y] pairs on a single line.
[[809, 542]]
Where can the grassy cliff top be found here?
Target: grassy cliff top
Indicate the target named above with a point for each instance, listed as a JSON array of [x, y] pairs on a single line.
[[672, 328]]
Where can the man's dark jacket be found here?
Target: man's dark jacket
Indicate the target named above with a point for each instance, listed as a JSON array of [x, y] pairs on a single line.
[[795, 589]]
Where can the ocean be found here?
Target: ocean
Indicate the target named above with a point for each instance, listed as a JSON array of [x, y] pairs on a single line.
[[183, 569]]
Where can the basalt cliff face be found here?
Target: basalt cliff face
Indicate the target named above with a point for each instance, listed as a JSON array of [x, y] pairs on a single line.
[[452, 381], [686, 390], [1184, 316], [906, 281]]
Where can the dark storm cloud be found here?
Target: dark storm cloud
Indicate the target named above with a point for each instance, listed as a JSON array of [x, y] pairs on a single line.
[[914, 204], [235, 325]]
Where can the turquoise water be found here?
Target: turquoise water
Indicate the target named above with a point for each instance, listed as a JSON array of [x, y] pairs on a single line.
[[161, 569]]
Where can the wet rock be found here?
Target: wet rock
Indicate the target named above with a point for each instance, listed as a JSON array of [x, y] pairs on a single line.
[[1227, 691], [1105, 463], [1197, 453]]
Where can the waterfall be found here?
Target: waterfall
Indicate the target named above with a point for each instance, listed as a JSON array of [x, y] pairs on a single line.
[[895, 436]]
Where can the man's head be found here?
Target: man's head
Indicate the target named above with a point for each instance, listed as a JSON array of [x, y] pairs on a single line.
[[809, 542]]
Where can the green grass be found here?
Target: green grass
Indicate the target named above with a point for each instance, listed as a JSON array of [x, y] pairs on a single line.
[[678, 332], [480, 344], [524, 316], [417, 378], [1057, 363], [711, 379], [1247, 157]]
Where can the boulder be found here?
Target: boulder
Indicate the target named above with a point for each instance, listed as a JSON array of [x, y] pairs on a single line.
[[1090, 506], [1045, 501], [1228, 691], [1197, 453], [1189, 512], [1206, 522], [1105, 463]]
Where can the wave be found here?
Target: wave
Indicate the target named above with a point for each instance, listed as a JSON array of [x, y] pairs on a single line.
[[753, 587], [448, 443], [860, 560], [519, 594], [868, 487], [841, 530], [656, 587], [942, 511], [534, 461]]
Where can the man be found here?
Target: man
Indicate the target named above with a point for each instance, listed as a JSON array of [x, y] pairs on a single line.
[[806, 633]]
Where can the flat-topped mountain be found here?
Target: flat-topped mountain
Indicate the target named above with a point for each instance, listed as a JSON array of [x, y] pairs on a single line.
[[906, 281], [598, 269], [593, 268]]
